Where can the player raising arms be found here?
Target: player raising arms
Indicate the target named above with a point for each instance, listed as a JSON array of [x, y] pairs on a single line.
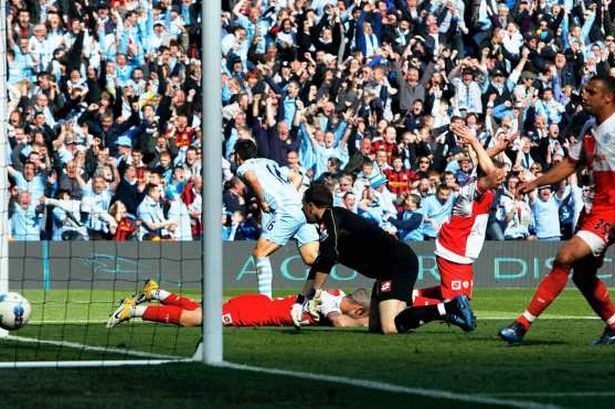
[[460, 240], [596, 150], [248, 310], [356, 243], [280, 203]]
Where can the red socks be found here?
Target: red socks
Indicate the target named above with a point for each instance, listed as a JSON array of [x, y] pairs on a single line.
[[426, 296], [171, 310], [597, 295], [184, 303], [168, 314], [548, 289]]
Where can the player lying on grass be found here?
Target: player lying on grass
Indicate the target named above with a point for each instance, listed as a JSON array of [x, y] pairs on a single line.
[[356, 243], [460, 240], [247, 310]]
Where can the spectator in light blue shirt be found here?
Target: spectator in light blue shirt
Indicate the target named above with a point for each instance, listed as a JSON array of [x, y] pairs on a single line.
[[29, 180], [436, 210], [549, 107], [153, 223], [545, 207], [409, 224], [96, 202], [24, 59], [26, 218]]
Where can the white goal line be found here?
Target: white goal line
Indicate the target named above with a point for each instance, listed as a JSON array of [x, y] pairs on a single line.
[[542, 318], [387, 387], [148, 357], [550, 394]]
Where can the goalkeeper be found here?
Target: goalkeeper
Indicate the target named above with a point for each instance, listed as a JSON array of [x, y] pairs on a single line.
[[356, 243], [248, 310]]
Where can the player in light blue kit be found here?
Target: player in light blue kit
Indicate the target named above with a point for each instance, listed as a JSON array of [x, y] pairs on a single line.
[[280, 203]]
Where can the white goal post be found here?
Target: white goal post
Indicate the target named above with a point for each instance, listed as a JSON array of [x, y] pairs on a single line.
[[4, 193], [212, 181]]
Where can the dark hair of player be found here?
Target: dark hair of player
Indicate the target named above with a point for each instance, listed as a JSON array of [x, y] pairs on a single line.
[[607, 80], [246, 149], [319, 194]]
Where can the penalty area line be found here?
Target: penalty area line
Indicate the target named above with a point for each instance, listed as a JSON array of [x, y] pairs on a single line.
[[387, 387]]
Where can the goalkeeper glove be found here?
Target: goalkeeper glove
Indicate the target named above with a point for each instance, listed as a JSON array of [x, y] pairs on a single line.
[[307, 303]]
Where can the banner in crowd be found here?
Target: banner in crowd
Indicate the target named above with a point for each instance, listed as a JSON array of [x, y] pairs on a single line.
[[104, 264]]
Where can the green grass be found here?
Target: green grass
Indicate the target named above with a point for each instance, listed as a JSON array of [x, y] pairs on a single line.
[[555, 365]]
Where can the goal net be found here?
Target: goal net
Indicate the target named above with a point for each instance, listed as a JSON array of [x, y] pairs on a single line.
[[74, 287]]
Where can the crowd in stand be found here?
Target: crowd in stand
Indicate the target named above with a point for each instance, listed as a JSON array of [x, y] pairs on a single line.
[[104, 109]]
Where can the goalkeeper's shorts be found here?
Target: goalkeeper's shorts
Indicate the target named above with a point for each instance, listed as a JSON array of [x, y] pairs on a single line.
[[398, 285]]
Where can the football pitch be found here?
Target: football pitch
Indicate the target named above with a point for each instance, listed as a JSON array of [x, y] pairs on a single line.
[[436, 366]]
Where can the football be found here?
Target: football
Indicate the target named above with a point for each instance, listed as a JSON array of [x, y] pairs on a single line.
[[14, 311]]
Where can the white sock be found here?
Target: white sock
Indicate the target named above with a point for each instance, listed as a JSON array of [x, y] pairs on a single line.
[[415, 293], [531, 318], [264, 276], [138, 310], [441, 309], [160, 294]]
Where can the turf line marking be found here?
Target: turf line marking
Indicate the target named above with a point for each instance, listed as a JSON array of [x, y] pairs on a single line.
[[552, 394], [552, 317], [38, 322], [91, 348], [388, 387]]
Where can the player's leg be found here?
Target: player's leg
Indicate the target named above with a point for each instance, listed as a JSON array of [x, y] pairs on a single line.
[[426, 296], [596, 293], [385, 305], [456, 311], [151, 291], [577, 248], [278, 228], [391, 296], [309, 252], [307, 243], [264, 273], [374, 316], [167, 314], [242, 310], [387, 311], [455, 279]]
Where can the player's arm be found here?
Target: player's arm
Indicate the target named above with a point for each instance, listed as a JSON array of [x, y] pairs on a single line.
[[556, 174], [319, 273], [251, 180], [484, 160], [502, 144]]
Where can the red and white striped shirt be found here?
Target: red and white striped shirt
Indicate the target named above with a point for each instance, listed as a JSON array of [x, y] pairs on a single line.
[[597, 150], [461, 238]]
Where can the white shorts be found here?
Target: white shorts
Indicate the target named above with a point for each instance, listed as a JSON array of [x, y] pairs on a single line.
[[280, 226], [595, 242]]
